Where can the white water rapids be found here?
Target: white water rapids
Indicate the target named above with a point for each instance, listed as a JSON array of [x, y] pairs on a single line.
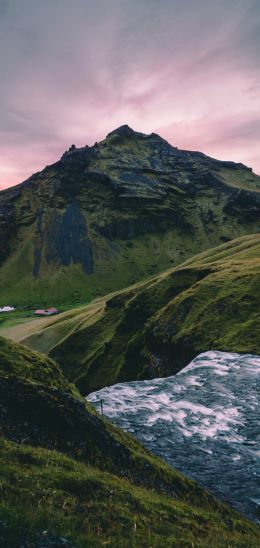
[[204, 421]]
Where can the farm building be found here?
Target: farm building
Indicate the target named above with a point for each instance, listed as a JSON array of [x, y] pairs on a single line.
[[46, 312], [7, 309]]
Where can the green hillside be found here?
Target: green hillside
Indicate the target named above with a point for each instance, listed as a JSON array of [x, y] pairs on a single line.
[[65, 473], [155, 328], [107, 216]]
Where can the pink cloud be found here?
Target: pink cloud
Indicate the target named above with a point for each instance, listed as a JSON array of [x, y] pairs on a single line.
[[73, 72]]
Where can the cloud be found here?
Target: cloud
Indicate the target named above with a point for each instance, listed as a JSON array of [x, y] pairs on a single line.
[[3, 7], [73, 71]]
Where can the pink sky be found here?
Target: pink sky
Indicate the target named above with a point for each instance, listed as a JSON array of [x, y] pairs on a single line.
[[73, 71]]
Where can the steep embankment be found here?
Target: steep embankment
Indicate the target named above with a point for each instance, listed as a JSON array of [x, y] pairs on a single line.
[[106, 216], [66, 472], [155, 328]]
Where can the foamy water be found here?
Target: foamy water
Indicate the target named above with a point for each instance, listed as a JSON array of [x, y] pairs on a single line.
[[203, 421]]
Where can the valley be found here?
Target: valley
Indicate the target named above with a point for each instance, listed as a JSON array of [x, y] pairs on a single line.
[[150, 258], [153, 329]]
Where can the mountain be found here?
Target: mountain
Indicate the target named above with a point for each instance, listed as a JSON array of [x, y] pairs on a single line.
[[70, 478], [155, 328], [106, 216]]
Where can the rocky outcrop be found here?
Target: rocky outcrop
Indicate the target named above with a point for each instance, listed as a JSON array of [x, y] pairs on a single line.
[[64, 235]]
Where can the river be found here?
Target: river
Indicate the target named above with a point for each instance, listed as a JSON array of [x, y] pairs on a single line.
[[204, 421]]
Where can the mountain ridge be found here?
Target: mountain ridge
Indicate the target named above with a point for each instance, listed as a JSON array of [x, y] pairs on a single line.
[[106, 216]]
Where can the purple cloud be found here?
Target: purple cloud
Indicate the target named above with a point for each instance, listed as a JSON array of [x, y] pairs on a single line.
[[73, 71]]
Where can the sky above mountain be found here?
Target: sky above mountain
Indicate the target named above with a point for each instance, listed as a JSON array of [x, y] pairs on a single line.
[[71, 71]]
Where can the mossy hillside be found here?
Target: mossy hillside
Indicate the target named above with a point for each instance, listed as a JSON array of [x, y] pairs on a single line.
[[55, 417], [157, 327], [107, 216], [51, 330], [44, 490], [116, 267], [169, 323], [245, 248], [17, 360], [219, 314], [114, 346], [66, 472]]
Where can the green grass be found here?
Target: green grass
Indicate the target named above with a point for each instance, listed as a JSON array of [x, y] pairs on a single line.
[[242, 180], [20, 361], [67, 471], [45, 490], [157, 327], [221, 311], [38, 405]]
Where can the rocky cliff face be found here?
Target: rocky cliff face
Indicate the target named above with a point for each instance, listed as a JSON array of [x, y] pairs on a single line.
[[108, 215]]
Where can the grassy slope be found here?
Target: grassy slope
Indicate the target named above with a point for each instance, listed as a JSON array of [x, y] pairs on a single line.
[[242, 181], [220, 312], [66, 471], [114, 269], [45, 490], [118, 269], [156, 328], [19, 361]]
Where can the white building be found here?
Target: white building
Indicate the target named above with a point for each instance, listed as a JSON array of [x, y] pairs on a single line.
[[6, 309]]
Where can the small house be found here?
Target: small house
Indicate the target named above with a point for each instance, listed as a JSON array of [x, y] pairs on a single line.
[[52, 311], [40, 312], [46, 312], [7, 309]]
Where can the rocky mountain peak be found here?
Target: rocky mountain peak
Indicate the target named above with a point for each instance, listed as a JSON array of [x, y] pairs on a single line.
[[122, 131], [130, 205], [125, 132]]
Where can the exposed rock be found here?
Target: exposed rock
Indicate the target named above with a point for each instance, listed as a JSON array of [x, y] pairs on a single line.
[[75, 217]]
